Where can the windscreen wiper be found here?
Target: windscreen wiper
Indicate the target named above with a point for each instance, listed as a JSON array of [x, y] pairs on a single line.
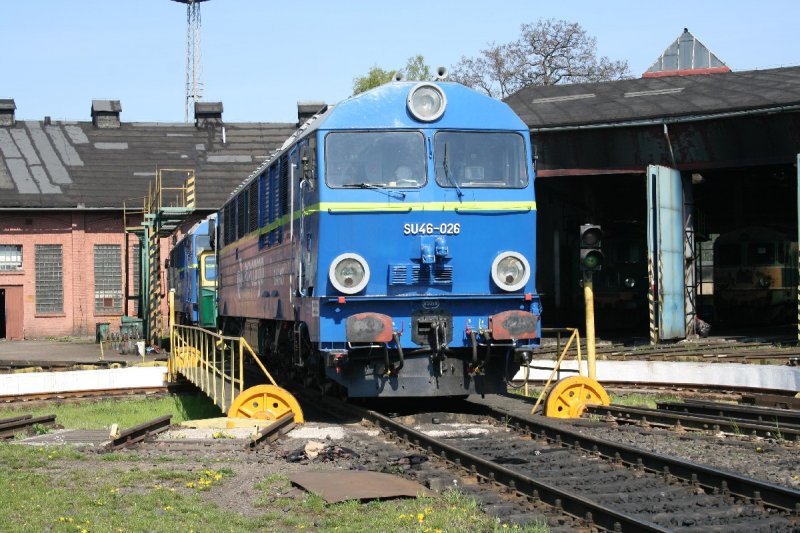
[[394, 194], [448, 176]]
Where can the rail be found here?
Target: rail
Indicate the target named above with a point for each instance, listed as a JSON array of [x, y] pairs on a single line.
[[9, 427], [139, 433]]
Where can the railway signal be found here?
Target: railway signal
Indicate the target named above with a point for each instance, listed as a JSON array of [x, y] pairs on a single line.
[[591, 256]]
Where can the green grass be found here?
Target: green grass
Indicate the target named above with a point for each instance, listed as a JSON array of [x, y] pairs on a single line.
[[636, 399], [60, 489], [125, 413], [52, 495], [452, 511]]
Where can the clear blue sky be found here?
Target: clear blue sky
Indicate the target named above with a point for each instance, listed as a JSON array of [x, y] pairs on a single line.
[[261, 56]]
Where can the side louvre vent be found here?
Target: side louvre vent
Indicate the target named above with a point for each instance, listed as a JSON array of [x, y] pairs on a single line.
[[398, 275], [420, 275]]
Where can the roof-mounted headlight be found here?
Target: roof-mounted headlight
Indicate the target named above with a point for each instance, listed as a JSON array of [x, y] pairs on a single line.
[[510, 271], [349, 273], [426, 102]]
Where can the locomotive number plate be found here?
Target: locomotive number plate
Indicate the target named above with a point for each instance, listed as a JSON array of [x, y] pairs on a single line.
[[429, 228]]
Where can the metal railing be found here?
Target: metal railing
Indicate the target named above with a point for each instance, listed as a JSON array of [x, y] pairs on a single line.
[[213, 362]]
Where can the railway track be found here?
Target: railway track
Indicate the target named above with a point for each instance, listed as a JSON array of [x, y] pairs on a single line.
[[678, 419], [599, 483], [9, 427], [782, 417]]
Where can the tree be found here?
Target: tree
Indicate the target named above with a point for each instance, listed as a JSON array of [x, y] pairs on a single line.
[[415, 69], [547, 52]]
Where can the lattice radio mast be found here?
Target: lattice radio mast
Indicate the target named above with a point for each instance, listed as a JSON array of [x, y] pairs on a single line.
[[194, 63]]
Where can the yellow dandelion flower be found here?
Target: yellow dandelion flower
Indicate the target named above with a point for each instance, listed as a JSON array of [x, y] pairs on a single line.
[[61, 519], [70, 519], [428, 510], [168, 508], [190, 485], [505, 526], [420, 517], [401, 517]]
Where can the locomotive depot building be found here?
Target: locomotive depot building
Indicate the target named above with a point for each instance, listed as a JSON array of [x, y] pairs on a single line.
[[667, 163], [66, 262], [670, 162]]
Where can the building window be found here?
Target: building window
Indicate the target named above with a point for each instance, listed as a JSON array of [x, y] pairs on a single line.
[[48, 263], [136, 269], [10, 257], [107, 278]]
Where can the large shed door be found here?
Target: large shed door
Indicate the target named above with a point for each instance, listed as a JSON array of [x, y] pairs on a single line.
[[665, 253]]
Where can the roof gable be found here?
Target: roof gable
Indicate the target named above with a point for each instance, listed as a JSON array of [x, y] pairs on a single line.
[[686, 56]]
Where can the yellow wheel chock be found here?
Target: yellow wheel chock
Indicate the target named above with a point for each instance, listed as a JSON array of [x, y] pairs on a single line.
[[265, 402], [569, 397]]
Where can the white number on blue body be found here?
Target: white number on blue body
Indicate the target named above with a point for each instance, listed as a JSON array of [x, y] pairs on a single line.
[[429, 228]]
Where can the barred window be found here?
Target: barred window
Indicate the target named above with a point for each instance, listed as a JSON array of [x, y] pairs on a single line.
[[48, 264], [107, 278], [10, 257], [134, 288]]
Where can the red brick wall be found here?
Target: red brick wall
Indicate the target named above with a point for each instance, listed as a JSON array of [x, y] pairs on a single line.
[[76, 232]]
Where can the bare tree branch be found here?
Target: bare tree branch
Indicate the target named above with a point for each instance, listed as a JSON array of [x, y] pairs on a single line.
[[547, 52]]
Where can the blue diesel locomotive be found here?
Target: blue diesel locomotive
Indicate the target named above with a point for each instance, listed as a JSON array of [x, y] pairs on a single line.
[[192, 272], [388, 248]]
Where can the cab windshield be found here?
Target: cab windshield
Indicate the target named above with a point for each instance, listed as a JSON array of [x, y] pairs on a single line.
[[210, 270], [377, 159], [480, 160]]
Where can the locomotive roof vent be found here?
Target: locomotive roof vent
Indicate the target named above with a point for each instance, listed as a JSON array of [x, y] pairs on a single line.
[[7, 107], [105, 113], [307, 109], [207, 113]]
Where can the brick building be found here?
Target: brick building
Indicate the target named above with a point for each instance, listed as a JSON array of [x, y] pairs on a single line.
[[66, 263]]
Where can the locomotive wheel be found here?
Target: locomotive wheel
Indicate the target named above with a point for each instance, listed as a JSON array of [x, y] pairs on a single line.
[[569, 397], [265, 402]]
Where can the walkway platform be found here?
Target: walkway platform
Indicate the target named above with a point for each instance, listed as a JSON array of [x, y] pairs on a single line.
[[58, 354]]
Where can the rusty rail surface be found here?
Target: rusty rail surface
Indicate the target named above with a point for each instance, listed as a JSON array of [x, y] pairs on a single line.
[[273, 432], [136, 434], [11, 426]]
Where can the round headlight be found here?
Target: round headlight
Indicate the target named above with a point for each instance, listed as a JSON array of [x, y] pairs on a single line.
[[426, 102], [630, 283], [510, 271], [349, 273], [764, 282]]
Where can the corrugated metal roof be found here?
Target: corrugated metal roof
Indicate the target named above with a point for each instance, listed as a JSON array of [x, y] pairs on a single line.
[[646, 99]]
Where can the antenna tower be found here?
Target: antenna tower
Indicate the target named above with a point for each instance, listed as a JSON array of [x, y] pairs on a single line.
[[194, 63]]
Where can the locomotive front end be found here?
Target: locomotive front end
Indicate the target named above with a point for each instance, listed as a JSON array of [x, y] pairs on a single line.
[[425, 243]]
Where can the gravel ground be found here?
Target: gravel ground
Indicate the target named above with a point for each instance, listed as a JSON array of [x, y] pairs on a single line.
[[763, 459]]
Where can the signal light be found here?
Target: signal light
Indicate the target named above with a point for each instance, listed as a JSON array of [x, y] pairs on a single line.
[[591, 256]]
